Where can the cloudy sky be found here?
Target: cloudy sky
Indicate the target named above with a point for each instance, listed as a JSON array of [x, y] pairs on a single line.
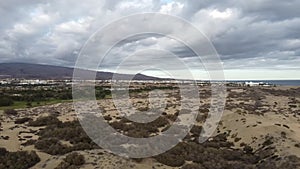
[[258, 39]]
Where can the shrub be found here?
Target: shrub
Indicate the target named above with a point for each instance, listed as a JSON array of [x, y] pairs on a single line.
[[170, 159], [11, 112], [218, 154], [140, 130], [5, 101], [29, 142], [17, 160], [248, 149], [193, 166], [75, 159], [3, 151], [22, 120], [138, 133], [43, 121], [196, 130], [68, 131], [268, 141], [51, 146], [72, 161]]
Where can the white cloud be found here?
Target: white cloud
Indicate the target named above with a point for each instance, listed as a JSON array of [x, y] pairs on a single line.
[[222, 15], [173, 8], [81, 25]]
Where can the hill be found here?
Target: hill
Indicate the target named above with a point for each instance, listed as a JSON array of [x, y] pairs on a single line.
[[37, 71]]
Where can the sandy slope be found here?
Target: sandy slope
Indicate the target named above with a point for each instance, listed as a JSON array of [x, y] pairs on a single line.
[[245, 126]]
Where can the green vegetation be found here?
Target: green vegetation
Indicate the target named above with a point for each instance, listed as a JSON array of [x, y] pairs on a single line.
[[102, 93], [16, 97], [24, 104], [6, 101], [151, 88]]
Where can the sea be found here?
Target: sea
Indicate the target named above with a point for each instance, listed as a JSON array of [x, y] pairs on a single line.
[[272, 82]]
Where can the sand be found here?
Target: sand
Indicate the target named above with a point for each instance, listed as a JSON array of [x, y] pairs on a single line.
[[245, 126]]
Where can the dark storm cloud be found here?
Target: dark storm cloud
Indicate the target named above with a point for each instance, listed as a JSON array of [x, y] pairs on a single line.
[[272, 10], [138, 38], [256, 39], [183, 52]]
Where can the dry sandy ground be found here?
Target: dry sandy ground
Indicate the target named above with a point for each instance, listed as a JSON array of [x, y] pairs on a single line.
[[244, 127]]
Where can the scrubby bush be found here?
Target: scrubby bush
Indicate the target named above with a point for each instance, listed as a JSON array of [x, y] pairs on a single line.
[[22, 120], [170, 159], [11, 112], [138, 133], [75, 159], [72, 161], [268, 141], [29, 142], [140, 130], [3, 151], [248, 149], [5, 101], [49, 138], [17, 160], [289, 162], [45, 120], [217, 153], [193, 166], [196, 130], [51, 146]]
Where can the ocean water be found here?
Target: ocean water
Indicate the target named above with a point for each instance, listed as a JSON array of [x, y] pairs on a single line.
[[275, 82]]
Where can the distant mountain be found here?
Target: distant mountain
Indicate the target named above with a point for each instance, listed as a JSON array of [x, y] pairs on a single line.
[[37, 71]]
